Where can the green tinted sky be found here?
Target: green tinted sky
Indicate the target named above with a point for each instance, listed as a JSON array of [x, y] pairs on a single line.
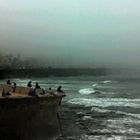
[[74, 32]]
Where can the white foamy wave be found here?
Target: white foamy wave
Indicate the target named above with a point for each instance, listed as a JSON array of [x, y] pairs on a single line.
[[95, 85], [103, 137], [126, 120], [108, 93], [115, 128], [84, 118], [106, 102], [137, 116], [102, 110], [87, 91], [107, 81]]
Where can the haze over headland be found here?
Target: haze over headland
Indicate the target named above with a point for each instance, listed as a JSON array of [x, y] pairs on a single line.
[[74, 33]]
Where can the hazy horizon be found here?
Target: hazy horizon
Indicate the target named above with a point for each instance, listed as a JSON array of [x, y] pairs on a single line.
[[74, 33]]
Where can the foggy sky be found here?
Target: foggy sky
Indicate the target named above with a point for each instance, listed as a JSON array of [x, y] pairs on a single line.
[[73, 32]]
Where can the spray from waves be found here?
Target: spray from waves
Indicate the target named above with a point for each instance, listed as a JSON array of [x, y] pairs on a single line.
[[106, 102], [87, 91]]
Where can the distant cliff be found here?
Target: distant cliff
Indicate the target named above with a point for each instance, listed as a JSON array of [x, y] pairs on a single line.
[[42, 72]]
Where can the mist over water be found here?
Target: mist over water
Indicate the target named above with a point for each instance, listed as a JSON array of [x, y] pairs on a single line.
[[73, 33]]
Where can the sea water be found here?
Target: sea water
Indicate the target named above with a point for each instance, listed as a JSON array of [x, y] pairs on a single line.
[[103, 107]]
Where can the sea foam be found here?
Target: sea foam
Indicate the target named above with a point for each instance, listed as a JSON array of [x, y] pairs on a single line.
[[87, 91], [107, 81], [106, 102]]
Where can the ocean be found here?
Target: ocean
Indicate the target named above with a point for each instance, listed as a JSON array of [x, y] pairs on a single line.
[[97, 107]]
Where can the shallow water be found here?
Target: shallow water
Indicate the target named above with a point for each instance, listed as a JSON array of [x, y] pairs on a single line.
[[99, 108]]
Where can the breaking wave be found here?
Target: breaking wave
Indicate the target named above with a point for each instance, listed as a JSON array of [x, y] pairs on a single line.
[[87, 91], [107, 81], [102, 110], [106, 102], [95, 85]]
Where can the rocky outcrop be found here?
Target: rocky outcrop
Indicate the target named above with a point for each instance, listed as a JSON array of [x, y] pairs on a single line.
[[29, 118]]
